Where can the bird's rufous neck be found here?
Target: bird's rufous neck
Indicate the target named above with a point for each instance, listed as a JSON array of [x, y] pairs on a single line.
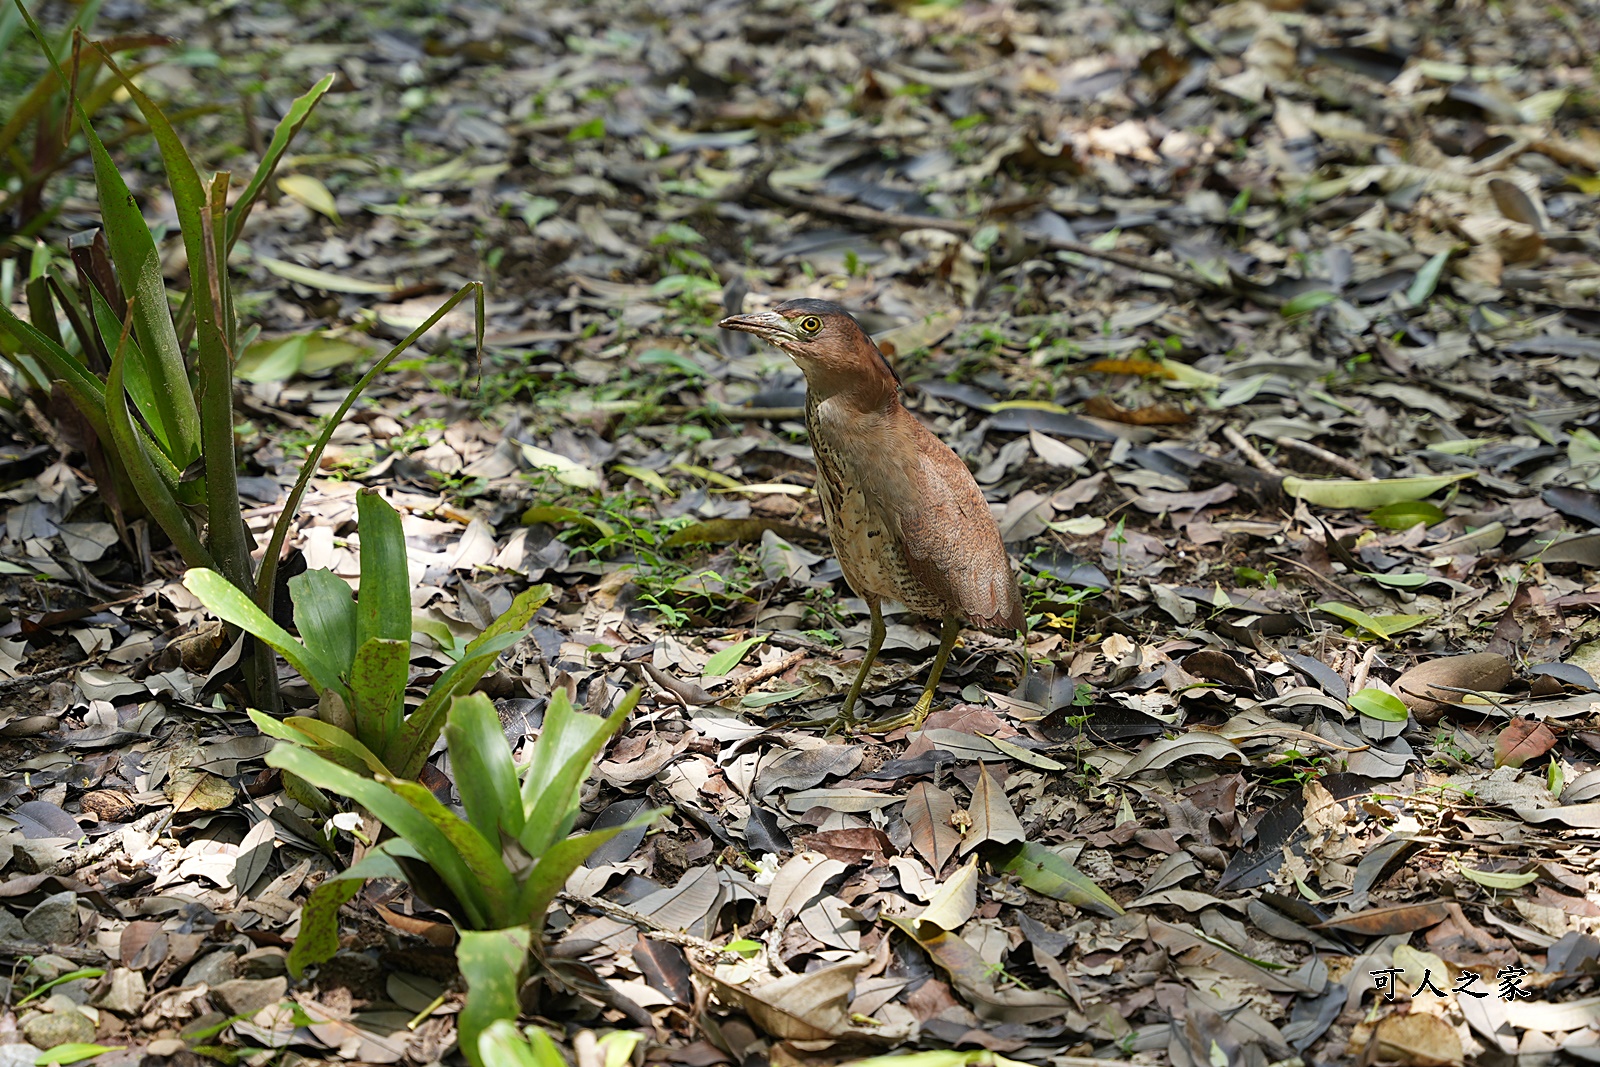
[[863, 383]]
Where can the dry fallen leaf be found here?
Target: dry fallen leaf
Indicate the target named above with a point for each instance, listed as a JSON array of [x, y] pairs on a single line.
[[1420, 1040], [192, 790], [1522, 741]]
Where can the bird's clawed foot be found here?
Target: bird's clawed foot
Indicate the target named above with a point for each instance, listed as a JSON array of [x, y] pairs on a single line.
[[912, 718], [843, 723]]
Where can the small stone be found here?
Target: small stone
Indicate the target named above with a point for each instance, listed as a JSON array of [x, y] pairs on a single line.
[[58, 1028], [11, 928], [213, 969], [62, 998], [165, 1046], [125, 994], [246, 996], [54, 920], [18, 1055], [41, 853], [264, 963], [47, 967]]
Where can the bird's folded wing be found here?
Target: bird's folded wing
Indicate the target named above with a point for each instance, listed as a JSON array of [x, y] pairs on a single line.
[[952, 543]]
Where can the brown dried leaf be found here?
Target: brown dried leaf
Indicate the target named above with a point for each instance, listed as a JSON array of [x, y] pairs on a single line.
[[1419, 1039], [1479, 671], [928, 813], [1521, 741], [191, 790], [1401, 918]]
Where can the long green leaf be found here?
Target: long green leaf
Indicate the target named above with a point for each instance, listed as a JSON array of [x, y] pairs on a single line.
[[494, 963], [485, 774], [291, 506], [512, 620], [558, 862], [1376, 704], [378, 684], [318, 938], [147, 468], [189, 198], [435, 849], [46, 87], [288, 126], [135, 372], [228, 602], [384, 606], [213, 427], [409, 748], [561, 758], [1349, 493], [138, 261], [726, 660], [494, 882], [502, 1044], [1045, 871], [323, 738], [1427, 279], [422, 727], [87, 391], [325, 615]]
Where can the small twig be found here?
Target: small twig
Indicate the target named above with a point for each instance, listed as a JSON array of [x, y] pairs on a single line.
[[760, 674], [1490, 698], [654, 929], [1358, 678], [37, 677], [1249, 452], [1292, 734], [1332, 459], [13, 950], [796, 641], [95, 851], [1316, 575]]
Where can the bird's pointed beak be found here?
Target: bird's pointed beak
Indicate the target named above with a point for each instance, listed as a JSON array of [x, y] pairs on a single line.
[[767, 325]]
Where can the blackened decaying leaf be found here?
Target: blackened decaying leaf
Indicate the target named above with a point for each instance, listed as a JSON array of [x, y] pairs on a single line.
[[1400, 918], [762, 833], [666, 968], [1281, 828]]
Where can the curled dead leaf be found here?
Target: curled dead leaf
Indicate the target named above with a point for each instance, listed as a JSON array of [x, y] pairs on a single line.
[[1479, 671]]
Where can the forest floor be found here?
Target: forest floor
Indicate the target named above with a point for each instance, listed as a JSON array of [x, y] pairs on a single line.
[[1204, 294]]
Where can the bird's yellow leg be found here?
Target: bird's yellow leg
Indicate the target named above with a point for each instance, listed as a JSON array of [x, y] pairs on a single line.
[[874, 643], [947, 641]]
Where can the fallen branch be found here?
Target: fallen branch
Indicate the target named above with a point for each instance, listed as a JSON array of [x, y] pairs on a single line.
[[760, 186], [1332, 459], [653, 928]]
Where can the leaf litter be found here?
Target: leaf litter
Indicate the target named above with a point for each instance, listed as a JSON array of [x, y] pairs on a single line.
[[1270, 334]]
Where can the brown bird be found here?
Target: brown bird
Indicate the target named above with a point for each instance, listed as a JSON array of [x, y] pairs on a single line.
[[906, 519]]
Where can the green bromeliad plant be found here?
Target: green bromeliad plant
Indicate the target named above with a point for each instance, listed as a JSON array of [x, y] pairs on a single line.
[[356, 654], [503, 1045], [153, 386], [495, 872], [31, 148]]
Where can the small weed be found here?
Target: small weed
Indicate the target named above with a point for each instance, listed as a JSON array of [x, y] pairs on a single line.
[[1297, 768]]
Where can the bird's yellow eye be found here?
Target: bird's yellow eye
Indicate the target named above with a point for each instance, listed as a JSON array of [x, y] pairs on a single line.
[[810, 324]]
